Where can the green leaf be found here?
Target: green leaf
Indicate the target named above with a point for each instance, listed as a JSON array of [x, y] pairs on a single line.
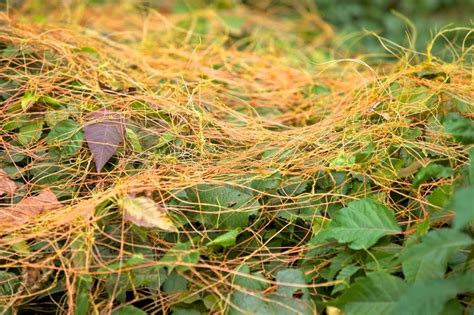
[[441, 196], [83, 303], [267, 183], [463, 205], [50, 100], [345, 275], [129, 310], [118, 282], [175, 283], [185, 311], [30, 133], [431, 171], [180, 253], [66, 138], [233, 22], [453, 307], [53, 117], [28, 99], [429, 259], [292, 277], [461, 128], [15, 121], [247, 295], [378, 293], [225, 240], [133, 140], [361, 224], [9, 282], [471, 166], [225, 207], [429, 297]]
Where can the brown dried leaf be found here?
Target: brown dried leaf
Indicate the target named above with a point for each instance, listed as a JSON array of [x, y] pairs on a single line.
[[30, 207], [7, 186]]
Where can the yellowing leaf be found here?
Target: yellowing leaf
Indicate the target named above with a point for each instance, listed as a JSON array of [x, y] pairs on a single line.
[[28, 99], [145, 212]]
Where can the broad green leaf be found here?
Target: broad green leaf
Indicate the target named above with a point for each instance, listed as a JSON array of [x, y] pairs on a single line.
[[15, 121], [175, 283], [267, 183], [441, 196], [65, 139], [432, 171], [463, 205], [30, 133], [460, 127], [247, 297], [287, 279], [294, 186], [429, 258], [53, 117], [453, 307], [181, 253], [283, 302], [129, 310], [378, 293], [429, 297], [225, 240], [361, 224], [224, 207], [145, 212]]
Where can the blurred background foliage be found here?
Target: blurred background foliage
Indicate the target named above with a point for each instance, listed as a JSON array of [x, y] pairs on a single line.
[[352, 20]]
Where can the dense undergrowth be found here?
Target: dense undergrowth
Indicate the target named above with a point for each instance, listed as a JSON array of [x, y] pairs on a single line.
[[256, 169]]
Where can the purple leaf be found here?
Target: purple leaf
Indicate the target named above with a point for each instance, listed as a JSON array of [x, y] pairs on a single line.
[[103, 133]]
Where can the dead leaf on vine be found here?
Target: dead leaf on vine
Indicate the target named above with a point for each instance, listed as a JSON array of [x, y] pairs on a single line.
[[146, 212], [7, 186], [103, 135], [30, 207]]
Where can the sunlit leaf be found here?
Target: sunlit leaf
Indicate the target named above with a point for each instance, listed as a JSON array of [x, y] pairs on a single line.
[[28, 99]]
